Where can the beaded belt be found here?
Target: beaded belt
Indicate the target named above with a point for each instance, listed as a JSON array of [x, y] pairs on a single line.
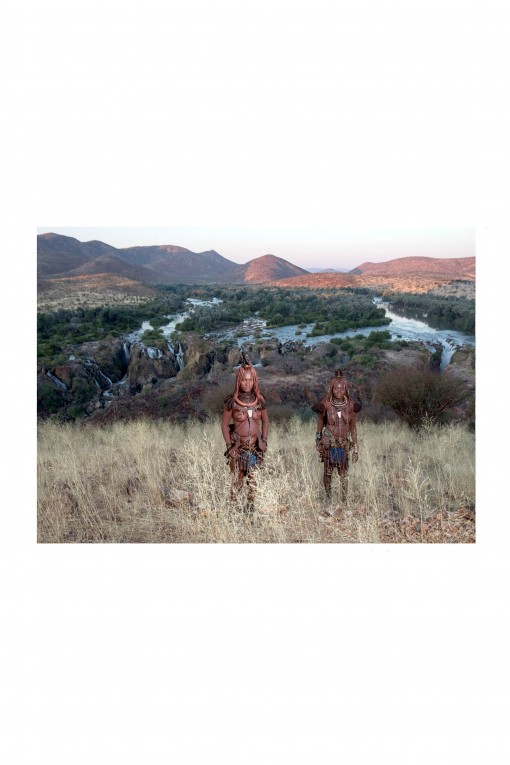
[[247, 446]]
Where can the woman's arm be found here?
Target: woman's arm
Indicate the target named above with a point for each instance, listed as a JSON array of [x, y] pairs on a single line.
[[320, 425], [225, 422], [265, 424], [354, 436]]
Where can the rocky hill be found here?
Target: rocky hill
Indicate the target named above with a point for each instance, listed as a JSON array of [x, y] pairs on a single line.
[[63, 255], [58, 254], [453, 268], [267, 268], [111, 264], [177, 264], [413, 274], [328, 270]]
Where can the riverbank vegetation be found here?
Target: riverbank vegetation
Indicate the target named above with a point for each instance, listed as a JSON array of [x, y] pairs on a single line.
[[327, 311], [63, 328], [153, 482], [330, 311], [451, 312]]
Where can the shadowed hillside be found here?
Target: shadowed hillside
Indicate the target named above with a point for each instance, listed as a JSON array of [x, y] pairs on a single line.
[[57, 254], [111, 264], [179, 264]]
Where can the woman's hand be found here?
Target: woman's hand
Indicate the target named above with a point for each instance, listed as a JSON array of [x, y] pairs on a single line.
[[232, 451]]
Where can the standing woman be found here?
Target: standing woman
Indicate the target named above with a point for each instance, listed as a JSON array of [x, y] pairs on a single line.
[[245, 426], [336, 432]]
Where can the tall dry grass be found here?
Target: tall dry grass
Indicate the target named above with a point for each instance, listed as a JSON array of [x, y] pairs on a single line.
[[147, 481]]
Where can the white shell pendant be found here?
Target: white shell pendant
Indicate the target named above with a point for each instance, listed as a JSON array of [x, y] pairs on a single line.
[[339, 415], [250, 413]]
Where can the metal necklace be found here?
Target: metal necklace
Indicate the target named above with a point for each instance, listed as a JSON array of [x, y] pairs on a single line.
[[339, 405]]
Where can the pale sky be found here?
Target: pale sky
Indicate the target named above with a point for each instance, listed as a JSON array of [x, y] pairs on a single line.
[[305, 247]]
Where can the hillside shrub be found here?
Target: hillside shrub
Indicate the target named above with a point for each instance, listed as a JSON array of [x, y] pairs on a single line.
[[418, 394], [364, 360], [83, 391], [153, 338], [214, 400], [76, 411], [49, 399]]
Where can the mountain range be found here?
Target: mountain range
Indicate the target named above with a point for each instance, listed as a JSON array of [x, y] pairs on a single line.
[[59, 255], [64, 256]]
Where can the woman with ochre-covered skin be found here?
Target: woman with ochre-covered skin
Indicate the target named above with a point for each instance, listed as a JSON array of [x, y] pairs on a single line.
[[245, 426], [336, 432]]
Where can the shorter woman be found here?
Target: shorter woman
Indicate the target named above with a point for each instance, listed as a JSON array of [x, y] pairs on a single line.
[[336, 432], [246, 436]]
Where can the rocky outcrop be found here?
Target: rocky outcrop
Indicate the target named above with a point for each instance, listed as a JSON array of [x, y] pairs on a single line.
[[112, 356], [148, 365], [290, 346], [99, 365], [201, 356]]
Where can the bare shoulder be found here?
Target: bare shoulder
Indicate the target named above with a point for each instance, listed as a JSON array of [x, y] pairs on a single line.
[[229, 403]]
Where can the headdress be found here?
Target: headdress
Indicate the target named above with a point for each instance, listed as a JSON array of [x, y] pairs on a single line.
[[247, 366], [339, 375]]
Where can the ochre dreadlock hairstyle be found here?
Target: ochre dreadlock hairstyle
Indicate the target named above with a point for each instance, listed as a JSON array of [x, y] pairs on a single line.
[[243, 370], [339, 375]]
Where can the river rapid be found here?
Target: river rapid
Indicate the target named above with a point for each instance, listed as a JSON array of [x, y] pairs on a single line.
[[400, 328]]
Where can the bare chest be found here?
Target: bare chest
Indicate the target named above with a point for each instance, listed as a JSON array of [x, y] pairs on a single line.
[[338, 419], [246, 413]]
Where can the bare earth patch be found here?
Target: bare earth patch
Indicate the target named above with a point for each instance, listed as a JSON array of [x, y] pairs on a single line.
[[90, 292]]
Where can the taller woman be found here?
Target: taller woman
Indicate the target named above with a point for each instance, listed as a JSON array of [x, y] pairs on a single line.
[[245, 426]]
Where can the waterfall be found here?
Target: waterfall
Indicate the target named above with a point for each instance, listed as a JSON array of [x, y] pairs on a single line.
[[154, 353], [448, 351], [126, 347], [105, 378], [178, 353], [57, 381], [180, 356]]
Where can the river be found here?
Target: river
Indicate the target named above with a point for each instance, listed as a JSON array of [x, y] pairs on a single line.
[[400, 328]]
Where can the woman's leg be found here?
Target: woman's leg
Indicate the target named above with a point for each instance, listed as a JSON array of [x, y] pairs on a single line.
[[328, 472]]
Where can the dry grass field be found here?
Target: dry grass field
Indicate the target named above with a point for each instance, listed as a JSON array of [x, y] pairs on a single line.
[[147, 481]]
